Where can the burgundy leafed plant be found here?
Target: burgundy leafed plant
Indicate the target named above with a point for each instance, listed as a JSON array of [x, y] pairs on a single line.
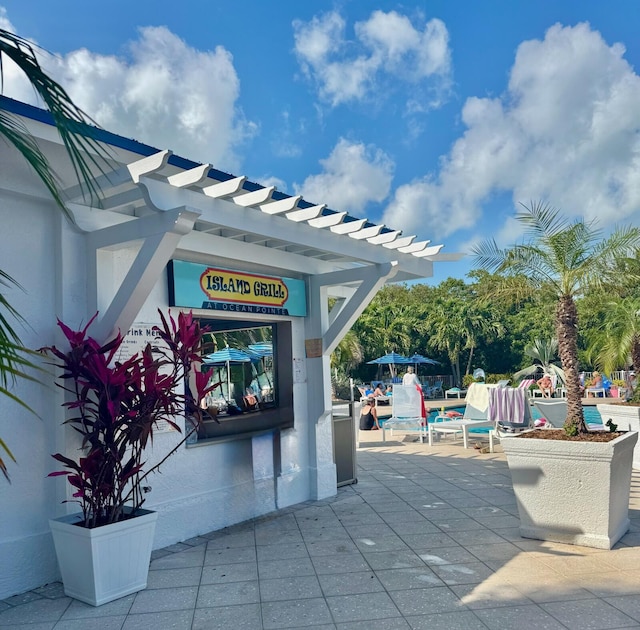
[[115, 407]]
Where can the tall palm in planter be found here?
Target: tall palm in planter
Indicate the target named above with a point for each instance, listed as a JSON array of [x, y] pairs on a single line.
[[571, 258], [568, 490], [115, 407]]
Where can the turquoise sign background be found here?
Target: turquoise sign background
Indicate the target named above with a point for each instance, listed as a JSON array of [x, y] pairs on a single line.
[[185, 290]]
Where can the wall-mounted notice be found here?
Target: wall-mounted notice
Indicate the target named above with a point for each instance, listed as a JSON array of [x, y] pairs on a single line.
[[135, 341]]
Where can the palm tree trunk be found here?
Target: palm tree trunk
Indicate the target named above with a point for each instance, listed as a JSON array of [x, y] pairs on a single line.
[[567, 332], [635, 353], [469, 361]]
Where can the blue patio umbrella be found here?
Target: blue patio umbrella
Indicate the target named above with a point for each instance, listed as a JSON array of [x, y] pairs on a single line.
[[264, 348], [226, 358], [417, 359], [393, 358]]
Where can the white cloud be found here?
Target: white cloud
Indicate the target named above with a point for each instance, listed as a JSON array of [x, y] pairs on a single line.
[[271, 180], [388, 51], [567, 130], [353, 176], [165, 93]]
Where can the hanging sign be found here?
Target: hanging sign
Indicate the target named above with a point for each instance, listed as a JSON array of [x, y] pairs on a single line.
[[214, 288]]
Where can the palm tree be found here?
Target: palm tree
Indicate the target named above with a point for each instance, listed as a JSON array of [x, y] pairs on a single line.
[[72, 125], [621, 335], [544, 351], [570, 257]]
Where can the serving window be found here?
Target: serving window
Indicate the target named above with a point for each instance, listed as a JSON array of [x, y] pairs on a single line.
[[249, 365]]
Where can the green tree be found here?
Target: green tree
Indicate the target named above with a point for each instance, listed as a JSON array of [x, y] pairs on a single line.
[[570, 258], [71, 123], [620, 339], [543, 352]]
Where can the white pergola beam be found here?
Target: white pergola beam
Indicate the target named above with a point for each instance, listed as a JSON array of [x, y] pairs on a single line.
[[224, 189], [255, 198], [192, 177], [283, 205], [148, 165], [304, 214]]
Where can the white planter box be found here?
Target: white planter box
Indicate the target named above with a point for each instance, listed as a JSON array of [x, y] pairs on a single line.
[[572, 492], [627, 418], [104, 563]]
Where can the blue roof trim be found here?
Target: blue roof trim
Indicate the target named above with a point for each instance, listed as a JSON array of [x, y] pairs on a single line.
[[102, 135]]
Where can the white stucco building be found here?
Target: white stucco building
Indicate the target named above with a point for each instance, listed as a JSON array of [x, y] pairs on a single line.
[[157, 208]]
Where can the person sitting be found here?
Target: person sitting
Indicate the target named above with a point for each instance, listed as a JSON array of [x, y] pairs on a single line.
[[596, 381], [631, 385], [546, 386], [378, 391], [369, 416], [368, 390], [389, 390]]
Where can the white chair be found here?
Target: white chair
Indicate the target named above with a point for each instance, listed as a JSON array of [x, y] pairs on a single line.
[[406, 413], [474, 417]]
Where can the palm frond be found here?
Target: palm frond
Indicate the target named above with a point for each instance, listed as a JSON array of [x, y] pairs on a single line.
[[86, 154]]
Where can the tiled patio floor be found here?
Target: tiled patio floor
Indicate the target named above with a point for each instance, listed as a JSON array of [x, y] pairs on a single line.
[[427, 538]]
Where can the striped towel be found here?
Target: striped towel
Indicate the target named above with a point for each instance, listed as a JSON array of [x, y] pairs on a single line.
[[507, 405]]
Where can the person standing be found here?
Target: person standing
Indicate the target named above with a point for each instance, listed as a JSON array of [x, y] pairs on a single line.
[[411, 379]]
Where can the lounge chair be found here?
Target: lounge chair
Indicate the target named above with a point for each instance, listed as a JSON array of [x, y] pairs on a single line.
[[555, 413], [509, 409], [435, 389], [406, 414], [475, 416]]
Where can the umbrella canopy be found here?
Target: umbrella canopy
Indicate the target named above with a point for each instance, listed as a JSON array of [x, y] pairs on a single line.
[[418, 359], [393, 358], [228, 355], [264, 348]]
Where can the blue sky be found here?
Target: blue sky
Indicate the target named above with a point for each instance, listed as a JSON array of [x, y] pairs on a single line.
[[436, 118]]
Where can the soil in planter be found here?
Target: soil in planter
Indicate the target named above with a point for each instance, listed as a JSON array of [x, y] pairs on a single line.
[[559, 434]]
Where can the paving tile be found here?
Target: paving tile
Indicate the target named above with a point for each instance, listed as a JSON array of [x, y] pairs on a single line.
[[229, 556], [467, 573], [294, 613], [96, 623], [80, 610], [498, 551], [170, 578], [226, 541], [293, 537], [447, 621], [490, 595], [329, 547], [339, 563], [163, 599], [230, 594], [393, 623], [279, 589], [401, 579], [447, 555], [23, 598], [393, 559], [589, 614], [362, 607], [194, 557], [34, 612], [290, 567], [628, 604], [222, 573], [350, 583], [282, 551], [426, 601], [45, 625], [224, 617], [377, 543], [171, 620], [531, 617]]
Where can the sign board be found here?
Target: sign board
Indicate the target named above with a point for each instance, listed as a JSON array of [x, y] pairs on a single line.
[[200, 286], [135, 341]]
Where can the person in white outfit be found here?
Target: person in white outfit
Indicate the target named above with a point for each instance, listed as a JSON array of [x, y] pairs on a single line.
[[410, 378]]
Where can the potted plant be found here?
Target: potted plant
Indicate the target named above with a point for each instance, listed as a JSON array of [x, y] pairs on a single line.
[[626, 415], [104, 551], [553, 470]]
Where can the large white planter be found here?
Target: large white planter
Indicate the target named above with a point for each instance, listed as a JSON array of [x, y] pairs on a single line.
[[572, 492], [104, 563], [627, 418]]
